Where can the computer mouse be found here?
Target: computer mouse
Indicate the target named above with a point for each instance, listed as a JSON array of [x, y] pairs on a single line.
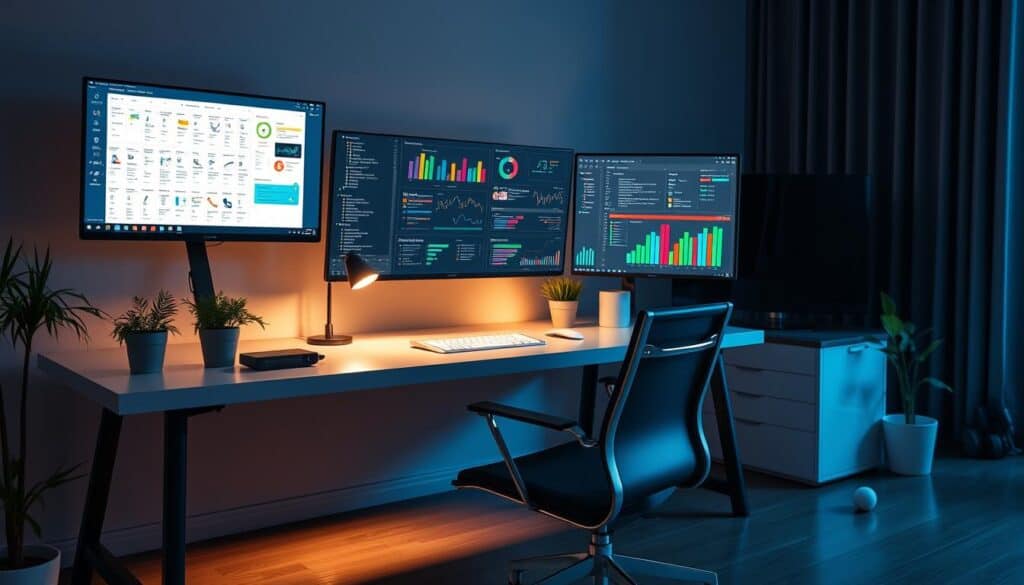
[[565, 334]]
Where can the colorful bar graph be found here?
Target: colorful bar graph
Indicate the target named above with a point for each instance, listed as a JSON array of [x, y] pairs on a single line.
[[702, 249], [425, 167]]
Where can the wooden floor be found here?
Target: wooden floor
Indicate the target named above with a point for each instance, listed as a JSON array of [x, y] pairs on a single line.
[[963, 525]]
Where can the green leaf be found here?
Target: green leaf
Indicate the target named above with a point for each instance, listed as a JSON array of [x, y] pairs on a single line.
[[935, 383], [928, 350], [222, 312], [888, 306], [561, 288], [892, 324]]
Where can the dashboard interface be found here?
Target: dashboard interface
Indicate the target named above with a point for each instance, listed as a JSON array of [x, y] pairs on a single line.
[[432, 208], [656, 215], [171, 162]]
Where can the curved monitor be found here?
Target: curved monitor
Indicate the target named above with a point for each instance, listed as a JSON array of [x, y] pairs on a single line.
[[417, 208], [171, 163], [656, 215]]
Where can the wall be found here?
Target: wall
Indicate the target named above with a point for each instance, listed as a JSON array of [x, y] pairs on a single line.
[[593, 75]]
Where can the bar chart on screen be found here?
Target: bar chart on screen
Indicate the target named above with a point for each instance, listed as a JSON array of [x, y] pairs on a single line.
[[701, 247]]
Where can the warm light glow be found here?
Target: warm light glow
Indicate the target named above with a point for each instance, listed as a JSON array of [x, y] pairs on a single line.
[[362, 547], [364, 281]]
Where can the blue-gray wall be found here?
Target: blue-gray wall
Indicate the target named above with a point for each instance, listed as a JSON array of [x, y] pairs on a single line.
[[588, 74]]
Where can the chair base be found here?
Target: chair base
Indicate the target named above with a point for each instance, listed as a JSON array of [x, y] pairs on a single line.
[[603, 567]]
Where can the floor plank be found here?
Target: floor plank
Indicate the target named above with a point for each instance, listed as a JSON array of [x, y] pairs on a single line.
[[959, 526]]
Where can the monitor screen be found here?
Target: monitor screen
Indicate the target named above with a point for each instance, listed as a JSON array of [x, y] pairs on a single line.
[[173, 163], [656, 215], [432, 208]]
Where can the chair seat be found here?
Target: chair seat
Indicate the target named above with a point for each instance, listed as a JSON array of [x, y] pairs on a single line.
[[568, 480]]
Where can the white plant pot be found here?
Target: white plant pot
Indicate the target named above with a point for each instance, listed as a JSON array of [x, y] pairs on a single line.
[[563, 313], [909, 449], [45, 573]]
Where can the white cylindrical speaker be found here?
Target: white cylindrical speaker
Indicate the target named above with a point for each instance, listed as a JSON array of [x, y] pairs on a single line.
[[613, 308]]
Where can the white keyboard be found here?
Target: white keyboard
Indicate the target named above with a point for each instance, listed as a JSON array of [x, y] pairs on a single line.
[[476, 342]]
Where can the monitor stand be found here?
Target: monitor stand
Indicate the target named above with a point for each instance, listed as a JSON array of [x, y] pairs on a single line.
[[199, 278]]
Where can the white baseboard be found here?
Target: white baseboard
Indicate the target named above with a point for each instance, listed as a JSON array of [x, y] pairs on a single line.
[[136, 539]]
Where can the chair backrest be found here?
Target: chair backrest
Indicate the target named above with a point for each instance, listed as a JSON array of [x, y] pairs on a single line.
[[652, 436]]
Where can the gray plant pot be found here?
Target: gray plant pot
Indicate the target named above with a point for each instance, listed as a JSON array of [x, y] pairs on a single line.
[[219, 347], [45, 572], [146, 351]]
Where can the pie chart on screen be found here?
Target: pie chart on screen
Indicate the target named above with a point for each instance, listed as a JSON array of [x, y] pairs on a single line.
[[508, 167]]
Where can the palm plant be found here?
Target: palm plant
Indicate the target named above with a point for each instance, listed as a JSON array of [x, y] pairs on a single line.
[[147, 316], [222, 312], [29, 306], [901, 350]]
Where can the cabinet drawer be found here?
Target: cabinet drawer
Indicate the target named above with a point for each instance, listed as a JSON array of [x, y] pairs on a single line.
[[762, 382], [774, 356], [774, 411], [771, 449]]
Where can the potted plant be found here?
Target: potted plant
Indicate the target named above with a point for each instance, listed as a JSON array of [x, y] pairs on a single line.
[[28, 306], [217, 320], [909, 437], [563, 295], [143, 330]]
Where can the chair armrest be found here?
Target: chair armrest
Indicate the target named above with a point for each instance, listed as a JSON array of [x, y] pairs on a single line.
[[548, 421]]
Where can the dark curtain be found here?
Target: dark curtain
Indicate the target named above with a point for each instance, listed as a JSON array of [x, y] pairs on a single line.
[[917, 95]]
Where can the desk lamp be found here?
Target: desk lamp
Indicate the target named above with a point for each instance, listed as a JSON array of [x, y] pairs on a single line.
[[360, 275]]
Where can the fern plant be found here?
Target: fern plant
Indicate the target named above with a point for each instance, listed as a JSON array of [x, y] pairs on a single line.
[[146, 316], [901, 350], [222, 312], [561, 288], [28, 306]]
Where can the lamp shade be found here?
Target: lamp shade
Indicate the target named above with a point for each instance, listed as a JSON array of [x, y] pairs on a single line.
[[360, 274]]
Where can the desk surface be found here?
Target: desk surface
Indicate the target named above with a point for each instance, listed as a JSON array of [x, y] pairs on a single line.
[[375, 360]]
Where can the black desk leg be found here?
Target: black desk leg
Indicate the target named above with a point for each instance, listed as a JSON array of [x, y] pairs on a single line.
[[588, 399], [96, 497], [175, 465], [735, 486]]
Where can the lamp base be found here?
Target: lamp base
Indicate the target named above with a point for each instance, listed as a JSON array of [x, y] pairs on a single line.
[[332, 340]]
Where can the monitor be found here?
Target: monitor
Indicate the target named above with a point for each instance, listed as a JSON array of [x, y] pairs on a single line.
[[805, 250], [432, 208], [656, 215], [171, 163]]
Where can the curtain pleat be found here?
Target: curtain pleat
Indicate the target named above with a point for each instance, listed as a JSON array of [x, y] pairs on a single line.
[[908, 92]]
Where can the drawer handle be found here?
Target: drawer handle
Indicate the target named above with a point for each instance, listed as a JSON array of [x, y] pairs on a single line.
[[862, 346], [747, 394], [747, 368], [747, 421]]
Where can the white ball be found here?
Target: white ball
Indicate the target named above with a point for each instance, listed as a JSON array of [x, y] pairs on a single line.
[[865, 499]]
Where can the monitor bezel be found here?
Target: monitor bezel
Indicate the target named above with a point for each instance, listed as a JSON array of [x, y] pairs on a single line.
[[456, 275], [84, 234], [736, 219]]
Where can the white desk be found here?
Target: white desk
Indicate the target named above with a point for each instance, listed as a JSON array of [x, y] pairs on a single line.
[[379, 360]]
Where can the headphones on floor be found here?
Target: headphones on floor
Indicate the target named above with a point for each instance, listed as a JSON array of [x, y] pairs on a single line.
[[991, 437]]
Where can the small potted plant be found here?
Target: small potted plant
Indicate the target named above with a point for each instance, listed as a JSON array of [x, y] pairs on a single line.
[[909, 437], [143, 330], [28, 307], [563, 295], [217, 320]]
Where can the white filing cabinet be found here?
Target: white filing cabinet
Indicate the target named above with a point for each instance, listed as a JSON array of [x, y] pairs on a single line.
[[808, 406]]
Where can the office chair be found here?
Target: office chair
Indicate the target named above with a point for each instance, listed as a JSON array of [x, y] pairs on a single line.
[[650, 443]]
